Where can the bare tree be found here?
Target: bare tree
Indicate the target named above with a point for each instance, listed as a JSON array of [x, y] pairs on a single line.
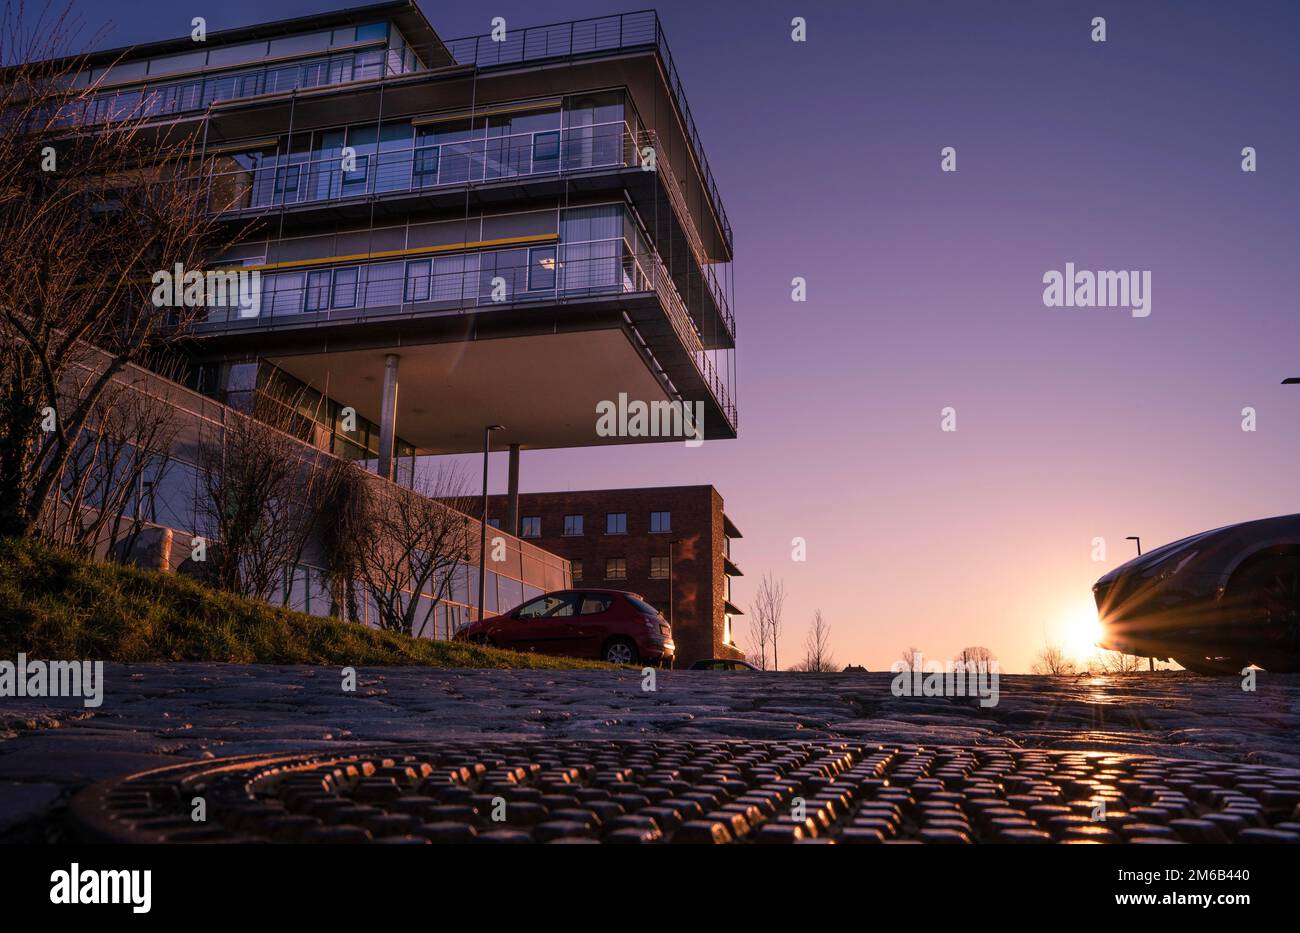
[[261, 492], [765, 618], [817, 655], [1052, 660], [757, 639], [975, 655], [86, 220], [414, 539], [1116, 662], [911, 658], [107, 486]]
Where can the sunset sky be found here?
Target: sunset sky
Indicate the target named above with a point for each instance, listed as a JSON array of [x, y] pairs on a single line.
[[925, 291]]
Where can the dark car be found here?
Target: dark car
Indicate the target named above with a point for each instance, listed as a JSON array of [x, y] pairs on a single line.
[[1214, 602], [722, 664], [611, 625]]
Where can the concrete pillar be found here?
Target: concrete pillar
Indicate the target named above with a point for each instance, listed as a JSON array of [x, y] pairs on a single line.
[[512, 493], [388, 417]]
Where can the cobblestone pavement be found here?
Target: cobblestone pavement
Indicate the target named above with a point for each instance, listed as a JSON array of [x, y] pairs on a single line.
[[156, 715]]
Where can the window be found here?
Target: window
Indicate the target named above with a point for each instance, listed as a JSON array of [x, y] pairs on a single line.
[[356, 176], [530, 526], [642, 606], [318, 290], [494, 523], [661, 522], [286, 180], [345, 288], [616, 523], [659, 568], [576, 567], [546, 147], [541, 269], [572, 525], [426, 166], [616, 568], [417, 280], [594, 604], [546, 606], [369, 31]]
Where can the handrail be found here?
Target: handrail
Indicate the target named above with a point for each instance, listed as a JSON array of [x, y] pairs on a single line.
[[288, 180], [553, 273]]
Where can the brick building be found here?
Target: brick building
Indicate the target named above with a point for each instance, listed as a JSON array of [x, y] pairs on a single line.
[[650, 541]]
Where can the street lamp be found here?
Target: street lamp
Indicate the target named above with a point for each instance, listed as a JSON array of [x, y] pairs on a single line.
[[1139, 543], [482, 542]]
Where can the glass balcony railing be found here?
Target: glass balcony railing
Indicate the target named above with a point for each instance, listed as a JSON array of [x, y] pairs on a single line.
[[456, 282], [286, 181], [278, 181], [586, 37], [194, 94]]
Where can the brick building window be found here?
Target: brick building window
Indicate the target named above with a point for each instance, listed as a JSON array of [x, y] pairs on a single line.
[[572, 525], [530, 526], [616, 568], [576, 567], [616, 523], [494, 523], [659, 568], [661, 522]]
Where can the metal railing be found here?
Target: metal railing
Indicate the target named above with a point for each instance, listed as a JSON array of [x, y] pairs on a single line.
[[287, 180], [281, 181], [464, 281], [585, 37]]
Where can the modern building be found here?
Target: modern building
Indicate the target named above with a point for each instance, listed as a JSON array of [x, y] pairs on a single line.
[[504, 229], [670, 544]]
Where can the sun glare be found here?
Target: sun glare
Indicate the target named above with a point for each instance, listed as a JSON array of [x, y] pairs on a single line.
[[1080, 632]]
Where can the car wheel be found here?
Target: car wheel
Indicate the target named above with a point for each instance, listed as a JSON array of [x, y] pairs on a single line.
[[619, 651], [1212, 666]]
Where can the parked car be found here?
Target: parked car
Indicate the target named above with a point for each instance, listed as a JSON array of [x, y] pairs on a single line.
[[722, 664], [610, 625], [1214, 602]]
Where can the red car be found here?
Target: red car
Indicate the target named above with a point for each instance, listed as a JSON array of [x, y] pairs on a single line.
[[610, 625]]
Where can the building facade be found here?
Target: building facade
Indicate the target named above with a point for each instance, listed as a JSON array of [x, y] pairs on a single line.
[[507, 230], [502, 230], [671, 545]]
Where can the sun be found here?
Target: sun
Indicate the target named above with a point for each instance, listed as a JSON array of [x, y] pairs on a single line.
[[1080, 630]]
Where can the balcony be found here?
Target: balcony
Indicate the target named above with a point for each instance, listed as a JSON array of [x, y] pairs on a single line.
[[610, 273], [619, 32], [299, 182], [194, 95]]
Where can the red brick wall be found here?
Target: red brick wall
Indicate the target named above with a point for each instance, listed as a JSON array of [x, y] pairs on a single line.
[[698, 586]]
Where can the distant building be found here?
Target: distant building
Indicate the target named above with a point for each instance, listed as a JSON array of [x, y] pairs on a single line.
[[652, 541]]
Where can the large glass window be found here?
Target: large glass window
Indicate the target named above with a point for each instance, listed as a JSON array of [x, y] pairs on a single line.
[[572, 525], [345, 288], [417, 280], [616, 523], [661, 522], [318, 290]]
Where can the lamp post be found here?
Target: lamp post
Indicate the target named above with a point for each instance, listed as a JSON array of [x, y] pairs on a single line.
[[1138, 541], [671, 542], [482, 541]]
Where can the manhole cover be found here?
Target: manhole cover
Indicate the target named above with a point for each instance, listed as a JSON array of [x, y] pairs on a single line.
[[695, 792]]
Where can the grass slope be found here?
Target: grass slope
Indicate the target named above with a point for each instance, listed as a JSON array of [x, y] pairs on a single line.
[[55, 605]]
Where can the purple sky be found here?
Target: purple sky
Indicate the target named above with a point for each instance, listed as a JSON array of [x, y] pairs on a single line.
[[925, 290]]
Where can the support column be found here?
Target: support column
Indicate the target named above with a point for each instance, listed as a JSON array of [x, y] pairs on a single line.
[[388, 417], [512, 493]]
